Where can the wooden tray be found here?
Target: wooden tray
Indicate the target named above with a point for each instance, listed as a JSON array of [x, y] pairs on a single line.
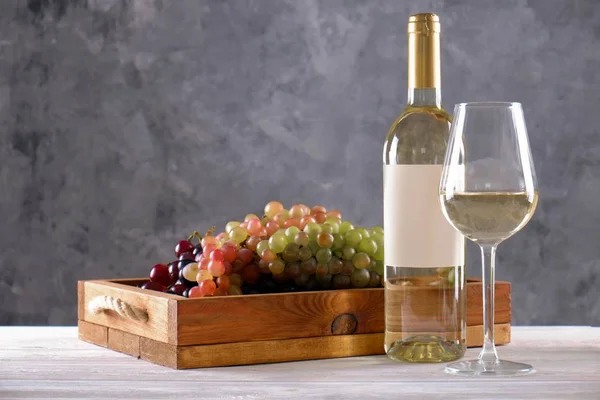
[[191, 333]]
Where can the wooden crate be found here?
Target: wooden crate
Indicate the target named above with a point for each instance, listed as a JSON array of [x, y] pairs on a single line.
[[191, 333]]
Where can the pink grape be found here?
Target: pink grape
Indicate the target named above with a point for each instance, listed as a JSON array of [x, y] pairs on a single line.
[[297, 211], [223, 282], [208, 287], [233, 244], [272, 227], [209, 249], [252, 242], [203, 265], [268, 255], [320, 217], [216, 267], [217, 255], [249, 217], [229, 253], [317, 209], [254, 227], [220, 292], [228, 268], [245, 255], [281, 217], [195, 292], [336, 214], [237, 266], [221, 237], [306, 220], [291, 222], [244, 225], [208, 240], [272, 208]]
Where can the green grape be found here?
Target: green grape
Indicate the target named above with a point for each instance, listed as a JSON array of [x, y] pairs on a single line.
[[379, 267], [379, 254], [378, 238], [278, 242], [375, 279], [325, 240], [313, 230], [302, 239], [334, 223], [451, 276], [323, 255], [373, 264], [291, 252], [322, 269], [364, 232], [326, 228], [337, 253], [368, 246], [291, 233], [345, 227], [238, 234], [277, 266], [304, 253], [347, 267], [230, 225], [309, 266], [338, 241], [360, 278], [348, 253], [361, 260], [314, 247], [377, 229], [335, 265], [341, 282], [353, 238], [262, 246]]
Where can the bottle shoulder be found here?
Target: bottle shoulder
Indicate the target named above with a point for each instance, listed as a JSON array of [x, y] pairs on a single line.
[[418, 136]]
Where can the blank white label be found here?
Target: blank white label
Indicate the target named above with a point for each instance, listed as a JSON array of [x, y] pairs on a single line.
[[416, 232]]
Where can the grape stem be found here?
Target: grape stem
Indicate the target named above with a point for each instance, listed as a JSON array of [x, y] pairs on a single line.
[[198, 236]]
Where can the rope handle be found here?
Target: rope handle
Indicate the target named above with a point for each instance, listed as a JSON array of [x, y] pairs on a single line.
[[100, 304]]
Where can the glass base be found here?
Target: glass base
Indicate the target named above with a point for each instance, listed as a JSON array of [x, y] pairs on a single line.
[[480, 368]]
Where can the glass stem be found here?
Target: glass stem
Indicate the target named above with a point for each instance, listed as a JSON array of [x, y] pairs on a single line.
[[488, 260]]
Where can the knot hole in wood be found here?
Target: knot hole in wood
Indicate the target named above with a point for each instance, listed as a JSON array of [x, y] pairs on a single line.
[[344, 324]]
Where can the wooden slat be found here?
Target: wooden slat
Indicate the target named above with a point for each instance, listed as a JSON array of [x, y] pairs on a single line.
[[161, 319], [124, 342], [158, 352], [80, 300], [271, 351], [502, 311], [92, 333], [276, 316]]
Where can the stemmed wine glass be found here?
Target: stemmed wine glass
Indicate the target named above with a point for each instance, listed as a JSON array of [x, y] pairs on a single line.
[[488, 192]]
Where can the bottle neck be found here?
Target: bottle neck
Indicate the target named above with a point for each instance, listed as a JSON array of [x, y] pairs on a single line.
[[425, 97]]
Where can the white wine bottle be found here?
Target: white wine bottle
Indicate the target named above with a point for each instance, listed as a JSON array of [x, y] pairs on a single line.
[[424, 256]]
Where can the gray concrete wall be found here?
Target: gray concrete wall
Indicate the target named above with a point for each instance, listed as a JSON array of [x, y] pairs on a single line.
[[126, 124]]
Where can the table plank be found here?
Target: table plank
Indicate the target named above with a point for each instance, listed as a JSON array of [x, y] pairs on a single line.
[[50, 362]]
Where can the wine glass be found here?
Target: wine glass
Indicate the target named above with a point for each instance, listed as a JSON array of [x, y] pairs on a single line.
[[488, 192]]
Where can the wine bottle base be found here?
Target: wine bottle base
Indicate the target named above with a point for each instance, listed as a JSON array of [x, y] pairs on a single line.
[[425, 349], [498, 368]]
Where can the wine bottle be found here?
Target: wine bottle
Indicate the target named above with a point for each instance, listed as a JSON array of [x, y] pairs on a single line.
[[424, 256]]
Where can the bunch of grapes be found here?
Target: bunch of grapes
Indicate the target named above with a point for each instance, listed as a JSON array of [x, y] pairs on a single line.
[[284, 251]]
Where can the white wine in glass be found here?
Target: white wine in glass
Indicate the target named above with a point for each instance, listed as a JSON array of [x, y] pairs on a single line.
[[488, 192]]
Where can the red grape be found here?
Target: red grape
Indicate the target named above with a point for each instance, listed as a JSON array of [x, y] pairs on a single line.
[[177, 288], [208, 287], [209, 248], [216, 267], [291, 222], [254, 227], [245, 255], [306, 220], [263, 267], [223, 282], [217, 255], [196, 291], [235, 245], [251, 273], [160, 274], [252, 242], [183, 246], [188, 255], [173, 272], [220, 292]]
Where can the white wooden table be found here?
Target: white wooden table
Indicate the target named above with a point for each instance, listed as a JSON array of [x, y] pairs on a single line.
[[51, 363]]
